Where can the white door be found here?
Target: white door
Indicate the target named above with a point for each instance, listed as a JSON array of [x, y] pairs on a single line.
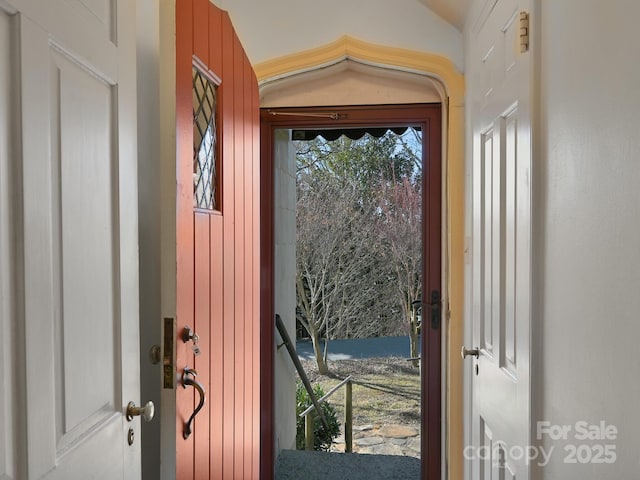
[[74, 261], [501, 231]]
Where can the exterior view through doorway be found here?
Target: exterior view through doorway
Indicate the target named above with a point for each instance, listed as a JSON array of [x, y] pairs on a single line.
[[427, 117]]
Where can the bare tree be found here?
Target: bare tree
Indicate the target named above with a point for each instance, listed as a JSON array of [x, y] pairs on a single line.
[[400, 228], [358, 239], [337, 265]]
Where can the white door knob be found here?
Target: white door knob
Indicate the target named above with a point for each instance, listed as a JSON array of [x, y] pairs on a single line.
[[146, 412]]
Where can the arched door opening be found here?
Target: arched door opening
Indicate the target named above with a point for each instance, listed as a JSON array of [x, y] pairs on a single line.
[[443, 83]]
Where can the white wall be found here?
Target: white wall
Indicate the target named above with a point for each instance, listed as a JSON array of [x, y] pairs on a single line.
[[270, 29], [8, 325], [285, 286], [157, 221], [349, 83], [147, 48], [588, 186]]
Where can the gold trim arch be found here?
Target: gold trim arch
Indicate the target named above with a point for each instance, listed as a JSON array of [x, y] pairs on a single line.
[[451, 81]]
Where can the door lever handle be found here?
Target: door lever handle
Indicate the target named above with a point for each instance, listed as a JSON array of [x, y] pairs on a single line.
[[434, 307], [186, 381]]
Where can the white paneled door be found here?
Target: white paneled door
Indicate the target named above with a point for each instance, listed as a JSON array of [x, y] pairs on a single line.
[[501, 232], [74, 261]]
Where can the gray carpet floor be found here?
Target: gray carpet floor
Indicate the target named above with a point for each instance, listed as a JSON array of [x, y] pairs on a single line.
[[303, 465]]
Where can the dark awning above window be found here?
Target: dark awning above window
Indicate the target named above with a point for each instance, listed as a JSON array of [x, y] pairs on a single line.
[[352, 133]]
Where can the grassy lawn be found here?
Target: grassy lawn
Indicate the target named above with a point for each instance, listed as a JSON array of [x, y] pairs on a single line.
[[385, 390]]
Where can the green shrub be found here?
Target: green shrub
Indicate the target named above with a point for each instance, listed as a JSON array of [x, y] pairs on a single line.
[[322, 437]]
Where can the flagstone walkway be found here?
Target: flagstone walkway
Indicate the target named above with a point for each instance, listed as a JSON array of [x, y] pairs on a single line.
[[383, 440]]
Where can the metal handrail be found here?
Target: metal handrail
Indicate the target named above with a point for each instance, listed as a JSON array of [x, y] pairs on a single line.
[[296, 362], [309, 418]]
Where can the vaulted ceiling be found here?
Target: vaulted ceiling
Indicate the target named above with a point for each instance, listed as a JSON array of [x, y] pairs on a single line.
[[453, 11]]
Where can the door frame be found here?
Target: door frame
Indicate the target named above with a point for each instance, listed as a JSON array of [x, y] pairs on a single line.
[[429, 117]]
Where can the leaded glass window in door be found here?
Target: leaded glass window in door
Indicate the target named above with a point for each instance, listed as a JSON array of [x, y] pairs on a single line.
[[205, 156]]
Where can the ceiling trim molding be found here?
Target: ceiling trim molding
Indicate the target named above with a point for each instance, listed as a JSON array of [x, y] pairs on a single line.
[[346, 47]]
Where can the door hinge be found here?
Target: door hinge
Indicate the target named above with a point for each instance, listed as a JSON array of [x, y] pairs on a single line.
[[524, 32]]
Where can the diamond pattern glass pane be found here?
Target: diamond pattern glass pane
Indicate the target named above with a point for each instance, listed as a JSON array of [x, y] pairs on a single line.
[[204, 142]]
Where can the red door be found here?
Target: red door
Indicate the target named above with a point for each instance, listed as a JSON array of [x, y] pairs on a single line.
[[217, 128]]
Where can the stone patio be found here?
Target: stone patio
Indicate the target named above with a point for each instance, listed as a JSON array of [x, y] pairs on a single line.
[[383, 440]]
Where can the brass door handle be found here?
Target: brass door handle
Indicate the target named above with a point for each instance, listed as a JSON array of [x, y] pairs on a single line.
[[187, 380], [145, 412]]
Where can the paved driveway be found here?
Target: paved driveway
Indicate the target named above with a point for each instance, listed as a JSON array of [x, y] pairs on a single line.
[[359, 348]]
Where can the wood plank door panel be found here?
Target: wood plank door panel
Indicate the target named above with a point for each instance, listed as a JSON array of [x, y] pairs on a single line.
[[217, 254]]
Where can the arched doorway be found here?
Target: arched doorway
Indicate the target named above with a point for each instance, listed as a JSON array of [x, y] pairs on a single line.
[[281, 81]]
